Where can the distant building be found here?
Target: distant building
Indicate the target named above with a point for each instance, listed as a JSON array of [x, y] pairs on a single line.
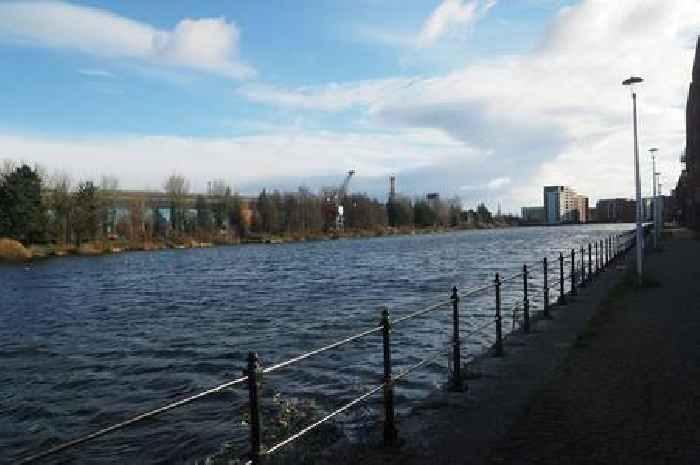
[[615, 211], [581, 209], [688, 187], [563, 205], [533, 215], [592, 215]]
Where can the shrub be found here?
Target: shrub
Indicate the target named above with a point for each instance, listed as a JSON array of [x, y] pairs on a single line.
[[13, 250]]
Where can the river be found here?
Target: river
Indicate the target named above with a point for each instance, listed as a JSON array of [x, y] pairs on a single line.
[[87, 341]]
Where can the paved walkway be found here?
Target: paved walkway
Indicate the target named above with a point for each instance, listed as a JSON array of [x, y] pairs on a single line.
[[629, 392]]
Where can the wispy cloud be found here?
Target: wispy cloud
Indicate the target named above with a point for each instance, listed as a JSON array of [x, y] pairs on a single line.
[[141, 161], [99, 73], [448, 15], [208, 45], [329, 97], [450, 19]]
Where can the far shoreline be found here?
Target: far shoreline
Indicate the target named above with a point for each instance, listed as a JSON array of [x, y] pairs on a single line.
[[12, 251]]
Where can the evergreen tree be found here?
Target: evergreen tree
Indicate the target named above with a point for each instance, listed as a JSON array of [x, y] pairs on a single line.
[[483, 214], [22, 213], [87, 212], [423, 214], [400, 212]]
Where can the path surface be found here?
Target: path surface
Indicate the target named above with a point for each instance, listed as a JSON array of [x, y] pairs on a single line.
[[630, 392], [613, 378]]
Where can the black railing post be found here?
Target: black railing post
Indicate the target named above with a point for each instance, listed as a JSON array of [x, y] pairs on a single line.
[[596, 258], [545, 308], [499, 318], [389, 426], [526, 302], [562, 299], [602, 256], [254, 373], [606, 255], [583, 268], [457, 383], [590, 263], [573, 272]]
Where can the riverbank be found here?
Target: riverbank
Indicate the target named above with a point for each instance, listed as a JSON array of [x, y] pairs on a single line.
[[11, 250], [610, 378]]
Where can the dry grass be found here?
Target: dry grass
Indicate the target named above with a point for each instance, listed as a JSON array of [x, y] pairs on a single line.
[[91, 248], [13, 250]]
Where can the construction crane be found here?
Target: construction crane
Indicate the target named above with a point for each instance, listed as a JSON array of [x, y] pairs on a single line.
[[342, 190]]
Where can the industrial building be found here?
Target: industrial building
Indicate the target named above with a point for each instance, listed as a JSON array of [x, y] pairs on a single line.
[[532, 215], [615, 211], [562, 205], [687, 192]]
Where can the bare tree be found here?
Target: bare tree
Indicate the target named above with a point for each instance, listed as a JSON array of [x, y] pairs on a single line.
[[108, 207], [137, 213], [177, 187], [220, 193], [60, 203], [7, 166]]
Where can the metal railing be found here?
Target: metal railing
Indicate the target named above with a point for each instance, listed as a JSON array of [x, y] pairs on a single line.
[[557, 273]]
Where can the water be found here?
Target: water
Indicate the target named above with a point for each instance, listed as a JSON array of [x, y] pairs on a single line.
[[85, 342]]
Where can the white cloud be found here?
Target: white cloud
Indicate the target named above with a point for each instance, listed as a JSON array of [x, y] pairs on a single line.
[[449, 14], [252, 160], [209, 44], [450, 19], [329, 97], [557, 115], [498, 183], [99, 73]]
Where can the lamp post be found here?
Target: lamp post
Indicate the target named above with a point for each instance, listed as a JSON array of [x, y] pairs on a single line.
[[660, 207], [655, 209], [632, 82]]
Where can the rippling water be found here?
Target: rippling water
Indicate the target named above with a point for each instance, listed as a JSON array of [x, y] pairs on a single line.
[[84, 342]]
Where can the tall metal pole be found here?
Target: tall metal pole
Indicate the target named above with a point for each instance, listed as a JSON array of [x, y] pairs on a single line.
[[659, 198], [639, 191], [654, 209]]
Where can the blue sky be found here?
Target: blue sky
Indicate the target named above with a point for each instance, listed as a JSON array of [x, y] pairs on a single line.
[[483, 99]]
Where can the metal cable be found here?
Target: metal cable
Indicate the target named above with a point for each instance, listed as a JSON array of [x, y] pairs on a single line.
[[425, 361], [421, 312], [469, 292], [314, 425], [130, 421], [478, 315], [298, 358], [511, 278]]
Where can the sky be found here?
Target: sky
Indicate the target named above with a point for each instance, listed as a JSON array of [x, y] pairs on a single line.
[[487, 100]]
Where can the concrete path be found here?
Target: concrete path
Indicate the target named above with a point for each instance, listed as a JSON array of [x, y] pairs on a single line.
[[629, 392]]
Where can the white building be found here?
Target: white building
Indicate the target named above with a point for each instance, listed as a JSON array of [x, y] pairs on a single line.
[[563, 205]]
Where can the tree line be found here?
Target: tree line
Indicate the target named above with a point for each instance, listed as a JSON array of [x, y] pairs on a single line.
[[36, 208]]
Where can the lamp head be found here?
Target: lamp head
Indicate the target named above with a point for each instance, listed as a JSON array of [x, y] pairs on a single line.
[[653, 150], [632, 82]]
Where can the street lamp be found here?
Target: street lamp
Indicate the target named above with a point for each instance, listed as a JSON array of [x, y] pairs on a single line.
[[659, 213], [653, 151], [632, 82]]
